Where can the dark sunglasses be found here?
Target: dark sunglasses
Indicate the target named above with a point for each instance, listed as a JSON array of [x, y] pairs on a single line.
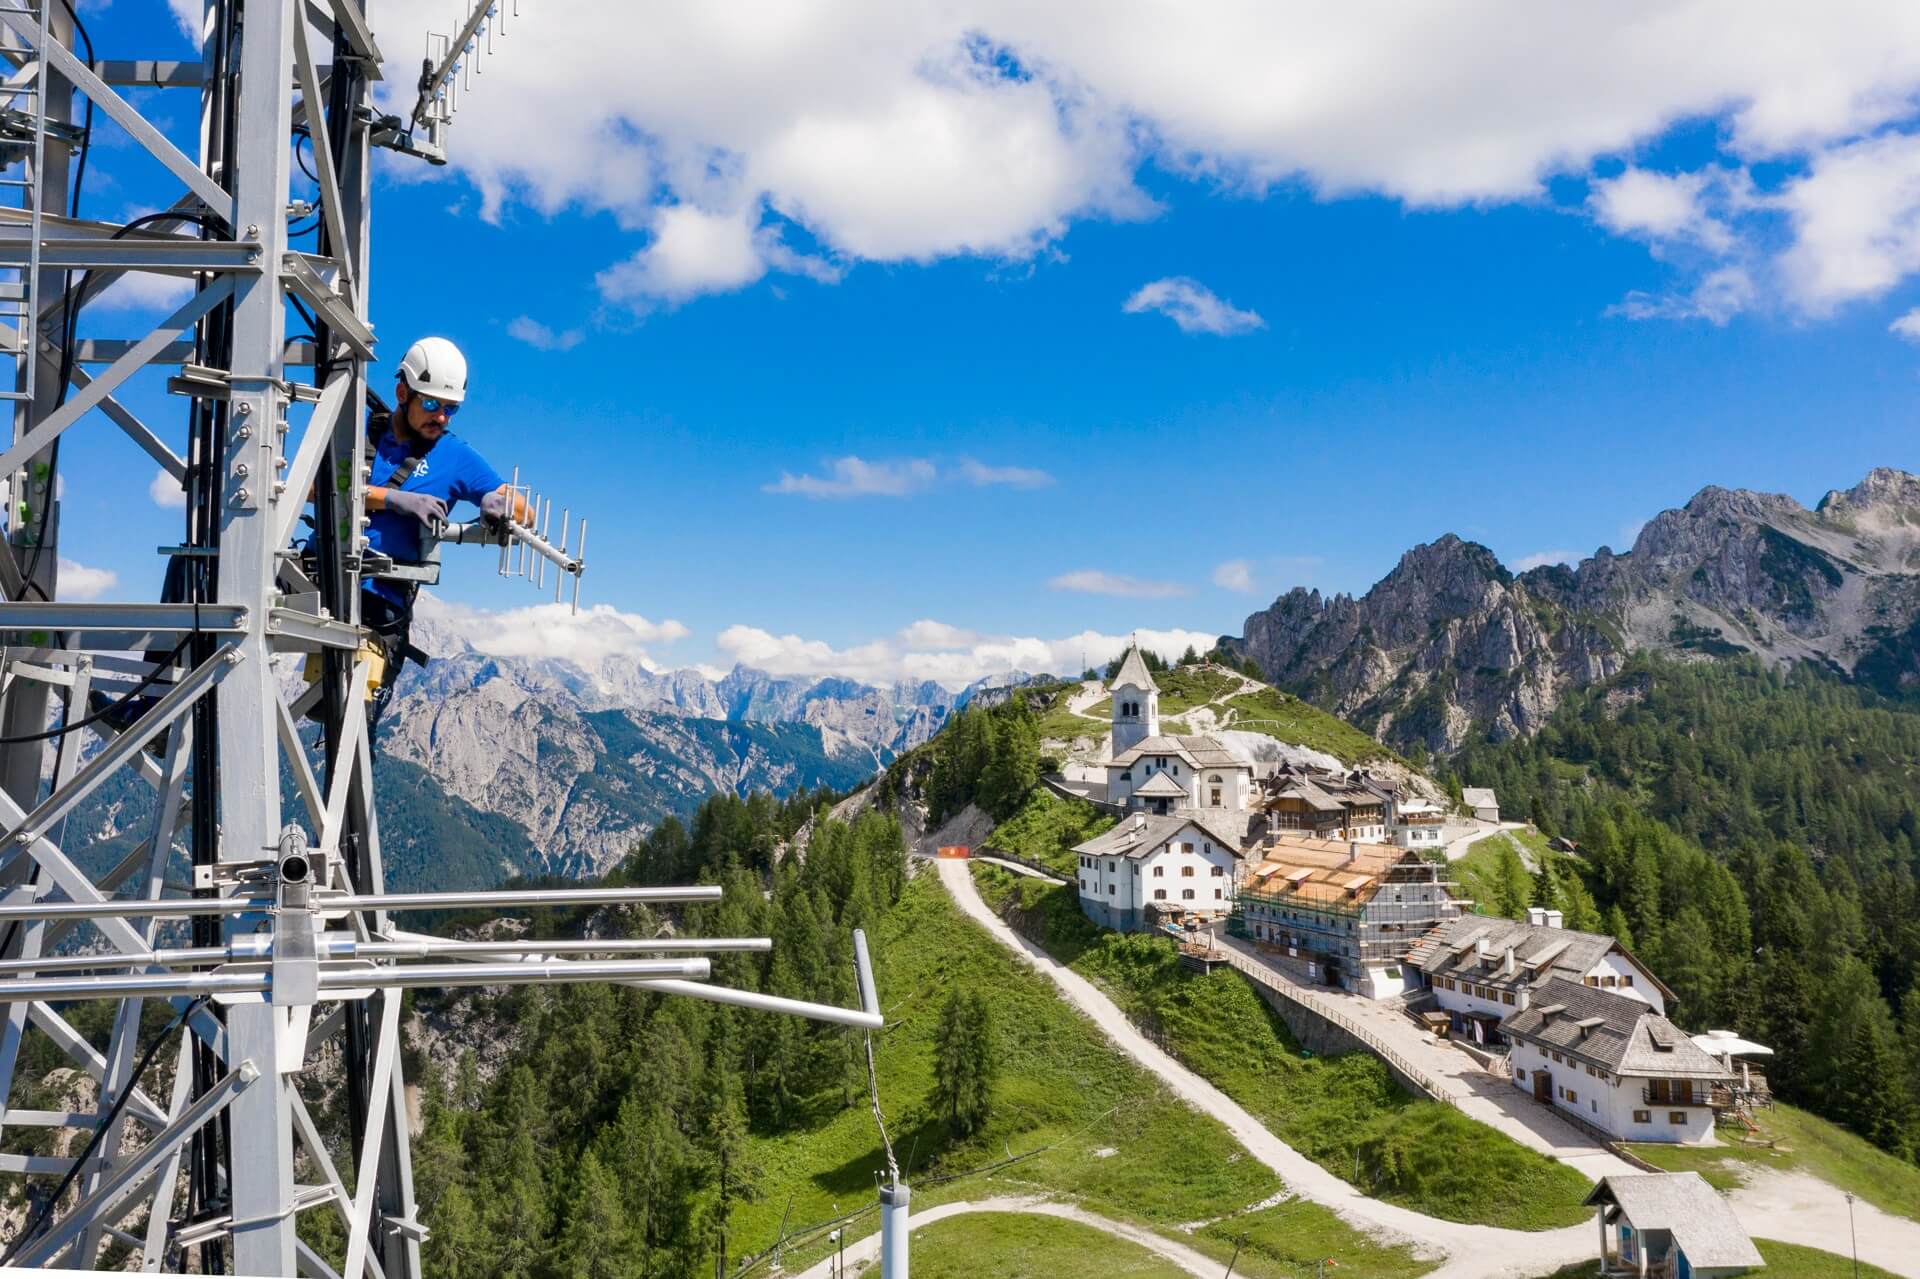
[[429, 404]]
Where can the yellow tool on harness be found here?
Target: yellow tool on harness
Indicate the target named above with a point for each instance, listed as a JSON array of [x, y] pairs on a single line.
[[372, 653]]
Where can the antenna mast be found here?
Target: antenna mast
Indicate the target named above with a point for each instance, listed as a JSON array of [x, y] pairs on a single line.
[[275, 939]]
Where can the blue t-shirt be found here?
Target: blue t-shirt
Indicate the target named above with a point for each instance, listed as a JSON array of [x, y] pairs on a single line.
[[451, 471]]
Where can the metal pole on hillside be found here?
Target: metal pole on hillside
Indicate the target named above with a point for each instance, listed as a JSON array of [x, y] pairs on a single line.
[[269, 933]]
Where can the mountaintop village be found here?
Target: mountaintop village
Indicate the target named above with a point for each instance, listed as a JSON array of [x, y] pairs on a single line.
[[1337, 880]]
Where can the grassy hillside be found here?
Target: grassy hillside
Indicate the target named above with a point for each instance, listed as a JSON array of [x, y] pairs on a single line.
[[1808, 1143], [1287, 718], [1343, 1112], [1107, 1134], [1024, 1246], [1046, 828]]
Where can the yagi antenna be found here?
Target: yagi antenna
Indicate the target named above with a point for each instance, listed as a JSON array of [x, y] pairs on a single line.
[[526, 549], [447, 71]]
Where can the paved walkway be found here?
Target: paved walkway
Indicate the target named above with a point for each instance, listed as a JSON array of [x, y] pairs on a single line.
[[1454, 1076], [864, 1251], [1472, 1252]]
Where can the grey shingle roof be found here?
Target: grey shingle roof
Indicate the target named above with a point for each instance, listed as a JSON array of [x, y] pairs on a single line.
[[1134, 671], [1683, 1204], [1161, 784], [1614, 1032], [1478, 797], [1196, 752], [1141, 833], [1448, 951]]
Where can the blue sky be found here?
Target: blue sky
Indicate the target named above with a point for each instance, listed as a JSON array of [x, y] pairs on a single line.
[[1536, 347]]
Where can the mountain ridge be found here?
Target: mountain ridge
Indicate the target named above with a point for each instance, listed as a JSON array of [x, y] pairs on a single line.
[[1451, 642]]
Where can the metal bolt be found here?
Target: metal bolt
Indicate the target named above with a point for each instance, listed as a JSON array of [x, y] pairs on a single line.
[[248, 1072], [234, 657], [244, 408], [244, 433], [240, 469], [25, 836], [253, 229], [242, 496]]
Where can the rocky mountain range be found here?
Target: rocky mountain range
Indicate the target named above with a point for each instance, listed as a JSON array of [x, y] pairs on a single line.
[[1451, 642], [583, 759]]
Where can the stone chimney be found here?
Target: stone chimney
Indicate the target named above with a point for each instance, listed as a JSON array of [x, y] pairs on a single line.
[[1353, 851], [1554, 919], [1506, 963], [1537, 916], [1480, 951]]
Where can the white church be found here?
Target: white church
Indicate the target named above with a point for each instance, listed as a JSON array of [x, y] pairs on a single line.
[[1178, 849], [1158, 775]]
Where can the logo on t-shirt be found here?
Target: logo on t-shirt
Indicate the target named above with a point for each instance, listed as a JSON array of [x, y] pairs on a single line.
[[420, 468]]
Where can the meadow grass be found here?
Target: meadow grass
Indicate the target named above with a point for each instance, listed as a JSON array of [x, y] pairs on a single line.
[[1093, 1126]]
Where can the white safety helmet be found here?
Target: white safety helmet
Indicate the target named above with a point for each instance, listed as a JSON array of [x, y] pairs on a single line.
[[435, 367]]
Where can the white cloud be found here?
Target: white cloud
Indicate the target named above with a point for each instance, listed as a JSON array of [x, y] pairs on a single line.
[[852, 476], [927, 633], [1856, 222], [587, 638], [1092, 581], [166, 491], [1716, 298], [1234, 575], [78, 582], [1660, 206], [144, 291], [1192, 306], [1020, 477], [988, 127], [855, 477], [1907, 325], [525, 328], [936, 651], [1540, 559]]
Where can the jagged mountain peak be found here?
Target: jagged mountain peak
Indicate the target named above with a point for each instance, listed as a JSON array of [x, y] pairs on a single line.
[[1449, 643]]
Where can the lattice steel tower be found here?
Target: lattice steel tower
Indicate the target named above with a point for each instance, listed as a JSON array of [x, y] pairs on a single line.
[[271, 937]]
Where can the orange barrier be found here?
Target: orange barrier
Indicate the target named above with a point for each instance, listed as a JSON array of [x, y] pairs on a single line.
[[955, 850]]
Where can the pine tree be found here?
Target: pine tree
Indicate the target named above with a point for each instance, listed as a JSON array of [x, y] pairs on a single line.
[[595, 1242], [964, 1064]]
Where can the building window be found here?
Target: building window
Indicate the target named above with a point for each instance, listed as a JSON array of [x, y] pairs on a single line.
[[1643, 1116], [1159, 894], [1676, 1116], [1109, 868], [1627, 980], [1216, 894], [1186, 894], [1112, 889], [1519, 1075], [1571, 1096], [1083, 885], [1186, 872], [1159, 871], [1506, 996], [1216, 796]]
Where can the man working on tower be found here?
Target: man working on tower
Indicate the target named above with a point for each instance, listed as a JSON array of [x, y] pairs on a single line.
[[420, 468]]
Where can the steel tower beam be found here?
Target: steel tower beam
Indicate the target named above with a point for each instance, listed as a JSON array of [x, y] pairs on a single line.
[[286, 911]]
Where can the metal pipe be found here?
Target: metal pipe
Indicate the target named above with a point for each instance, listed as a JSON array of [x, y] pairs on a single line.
[[406, 945], [172, 906], [766, 1003], [579, 563], [260, 980]]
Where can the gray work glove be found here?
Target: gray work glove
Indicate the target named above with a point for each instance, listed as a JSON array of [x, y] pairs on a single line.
[[495, 513], [426, 508]]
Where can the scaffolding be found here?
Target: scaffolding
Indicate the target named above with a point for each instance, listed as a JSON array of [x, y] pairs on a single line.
[[272, 939]]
